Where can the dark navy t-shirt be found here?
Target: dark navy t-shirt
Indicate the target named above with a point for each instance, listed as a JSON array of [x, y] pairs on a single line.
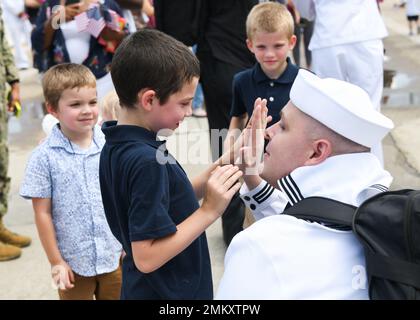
[[250, 84], [144, 199]]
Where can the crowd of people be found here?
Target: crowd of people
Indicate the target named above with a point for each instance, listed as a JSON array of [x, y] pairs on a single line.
[[116, 214]]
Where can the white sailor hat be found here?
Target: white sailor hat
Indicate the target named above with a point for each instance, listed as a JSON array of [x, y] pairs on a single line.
[[341, 106]]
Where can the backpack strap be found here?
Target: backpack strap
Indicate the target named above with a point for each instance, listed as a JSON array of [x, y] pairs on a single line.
[[393, 269], [324, 210]]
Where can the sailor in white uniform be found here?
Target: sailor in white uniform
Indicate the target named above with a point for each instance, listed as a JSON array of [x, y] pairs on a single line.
[[19, 29], [319, 148], [347, 45]]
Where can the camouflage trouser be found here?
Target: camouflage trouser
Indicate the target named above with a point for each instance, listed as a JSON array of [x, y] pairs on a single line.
[[4, 154]]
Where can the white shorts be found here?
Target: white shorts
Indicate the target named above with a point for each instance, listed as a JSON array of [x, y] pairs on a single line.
[[360, 63]]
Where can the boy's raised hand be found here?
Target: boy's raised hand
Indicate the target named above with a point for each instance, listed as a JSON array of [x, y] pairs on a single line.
[[234, 150], [220, 188], [250, 159]]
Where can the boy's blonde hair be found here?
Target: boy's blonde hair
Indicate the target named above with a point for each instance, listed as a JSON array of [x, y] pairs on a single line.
[[110, 106], [65, 76], [269, 17]]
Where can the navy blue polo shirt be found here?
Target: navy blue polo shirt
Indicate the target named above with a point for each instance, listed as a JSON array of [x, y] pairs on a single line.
[[250, 84], [144, 199]]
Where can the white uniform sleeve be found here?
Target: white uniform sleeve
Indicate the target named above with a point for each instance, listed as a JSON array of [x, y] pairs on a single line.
[[248, 274], [264, 200]]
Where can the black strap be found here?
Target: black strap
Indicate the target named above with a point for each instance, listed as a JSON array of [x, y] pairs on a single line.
[[330, 211], [323, 210], [393, 269]]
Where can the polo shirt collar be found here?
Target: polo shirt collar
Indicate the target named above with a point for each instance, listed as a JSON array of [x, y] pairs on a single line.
[[288, 75], [57, 139], [115, 134]]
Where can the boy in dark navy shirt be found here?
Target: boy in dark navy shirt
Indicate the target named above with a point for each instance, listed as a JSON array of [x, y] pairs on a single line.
[[269, 28], [151, 206]]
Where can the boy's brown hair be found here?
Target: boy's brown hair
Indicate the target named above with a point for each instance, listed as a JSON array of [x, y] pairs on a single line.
[[65, 76], [269, 17], [151, 59]]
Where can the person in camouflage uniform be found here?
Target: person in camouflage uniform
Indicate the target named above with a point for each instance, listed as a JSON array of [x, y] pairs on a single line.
[[10, 243]]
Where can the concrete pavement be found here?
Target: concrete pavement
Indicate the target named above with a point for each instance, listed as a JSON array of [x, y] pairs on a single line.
[[28, 277]]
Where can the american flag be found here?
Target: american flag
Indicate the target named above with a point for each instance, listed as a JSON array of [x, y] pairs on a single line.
[[82, 21], [91, 21], [113, 21], [95, 27]]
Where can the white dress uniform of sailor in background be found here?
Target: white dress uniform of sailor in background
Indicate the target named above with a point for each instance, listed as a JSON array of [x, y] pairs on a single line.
[[347, 45], [282, 257], [412, 7], [19, 30]]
